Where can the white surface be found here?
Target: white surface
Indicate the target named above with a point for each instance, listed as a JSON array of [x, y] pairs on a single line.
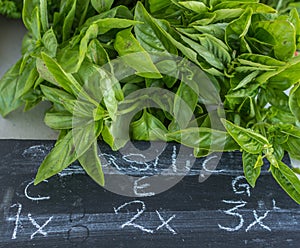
[[295, 163], [19, 125]]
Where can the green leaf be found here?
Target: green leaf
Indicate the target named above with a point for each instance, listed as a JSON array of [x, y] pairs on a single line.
[[108, 137], [195, 6], [249, 140], [277, 98], [149, 34], [243, 4], [90, 34], [44, 15], [287, 179], [106, 24], [235, 98], [56, 95], [283, 33], [204, 139], [68, 150], [62, 79], [292, 147], [286, 77], [185, 103], [207, 55], [216, 29], [216, 47], [260, 61], [35, 25], [50, 43], [108, 86], [252, 167], [148, 127], [102, 5], [294, 101], [59, 120], [226, 15], [27, 81], [91, 163], [158, 5], [295, 20], [247, 80], [238, 29], [96, 53], [289, 129], [28, 9], [9, 90], [138, 59], [67, 26], [72, 56]]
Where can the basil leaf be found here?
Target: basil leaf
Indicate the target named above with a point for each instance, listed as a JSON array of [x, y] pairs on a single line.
[[287, 179], [204, 139], [35, 25], [150, 34], [237, 30], [204, 53], [56, 95], [50, 43], [68, 150], [252, 167], [106, 24], [283, 33], [158, 5], [285, 78], [125, 44], [195, 6], [28, 9], [148, 127], [96, 53], [9, 89], [69, 19], [102, 5], [59, 120], [294, 101], [185, 103], [65, 80], [249, 140], [91, 163], [44, 15]]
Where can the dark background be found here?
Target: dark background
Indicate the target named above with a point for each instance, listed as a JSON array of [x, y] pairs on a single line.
[[70, 210]]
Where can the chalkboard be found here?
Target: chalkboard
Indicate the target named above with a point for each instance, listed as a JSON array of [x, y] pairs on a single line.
[[70, 210]]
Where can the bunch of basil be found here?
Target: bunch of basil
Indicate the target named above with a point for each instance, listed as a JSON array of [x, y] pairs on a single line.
[[246, 48]]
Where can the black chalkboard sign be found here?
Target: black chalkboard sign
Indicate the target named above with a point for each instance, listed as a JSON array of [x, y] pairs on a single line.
[[70, 210]]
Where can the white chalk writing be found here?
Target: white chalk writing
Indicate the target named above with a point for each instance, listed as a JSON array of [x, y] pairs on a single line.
[[135, 217], [17, 222], [166, 223], [240, 204], [39, 228], [140, 211], [274, 205], [246, 186], [130, 159], [204, 165], [108, 160], [137, 187], [206, 172], [174, 159], [39, 198], [258, 220]]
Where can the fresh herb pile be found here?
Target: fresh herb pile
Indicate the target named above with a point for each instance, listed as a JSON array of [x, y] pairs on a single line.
[[247, 48], [11, 9]]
